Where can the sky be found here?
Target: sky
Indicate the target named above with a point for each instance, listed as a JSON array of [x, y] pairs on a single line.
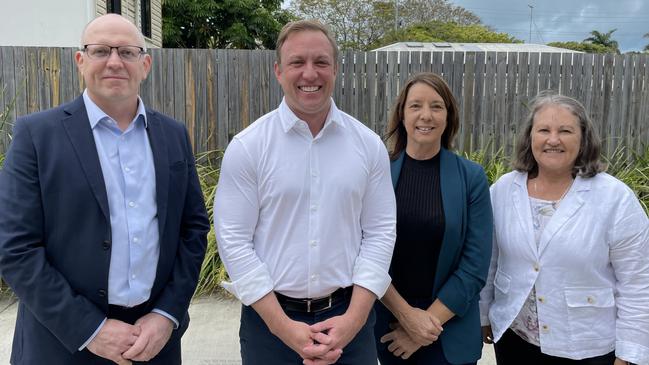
[[566, 20]]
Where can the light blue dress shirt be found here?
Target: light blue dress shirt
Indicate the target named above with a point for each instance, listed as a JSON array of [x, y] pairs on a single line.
[[127, 166]]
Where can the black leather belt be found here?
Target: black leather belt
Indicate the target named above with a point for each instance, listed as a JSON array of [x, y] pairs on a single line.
[[128, 314], [310, 305]]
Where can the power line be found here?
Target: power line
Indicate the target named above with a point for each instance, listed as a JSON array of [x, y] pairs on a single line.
[[538, 32], [554, 13], [524, 31]]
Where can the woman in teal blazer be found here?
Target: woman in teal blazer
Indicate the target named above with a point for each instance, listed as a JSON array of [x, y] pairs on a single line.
[[429, 314]]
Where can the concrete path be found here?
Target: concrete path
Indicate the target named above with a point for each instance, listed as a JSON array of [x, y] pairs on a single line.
[[212, 337]]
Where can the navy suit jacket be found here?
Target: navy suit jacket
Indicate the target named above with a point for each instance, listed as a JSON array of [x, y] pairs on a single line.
[[55, 237], [465, 253]]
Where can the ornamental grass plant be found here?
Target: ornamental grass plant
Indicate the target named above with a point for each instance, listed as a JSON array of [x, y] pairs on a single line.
[[212, 270]]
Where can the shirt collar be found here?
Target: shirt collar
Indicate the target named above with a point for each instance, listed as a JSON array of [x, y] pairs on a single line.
[[96, 115], [289, 119]]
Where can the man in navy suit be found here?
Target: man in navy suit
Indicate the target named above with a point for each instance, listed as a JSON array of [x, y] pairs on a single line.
[[102, 221]]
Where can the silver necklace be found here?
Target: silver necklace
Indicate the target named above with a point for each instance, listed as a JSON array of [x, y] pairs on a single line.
[[555, 204]]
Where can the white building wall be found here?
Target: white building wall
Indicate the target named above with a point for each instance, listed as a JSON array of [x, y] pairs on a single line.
[[47, 23]]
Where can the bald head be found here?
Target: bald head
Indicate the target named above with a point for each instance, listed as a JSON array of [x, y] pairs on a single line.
[[111, 28]]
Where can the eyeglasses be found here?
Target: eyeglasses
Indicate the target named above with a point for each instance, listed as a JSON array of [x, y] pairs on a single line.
[[101, 52]]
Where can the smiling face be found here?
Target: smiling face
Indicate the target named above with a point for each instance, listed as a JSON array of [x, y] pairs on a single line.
[[112, 82], [556, 138], [307, 74], [424, 117]]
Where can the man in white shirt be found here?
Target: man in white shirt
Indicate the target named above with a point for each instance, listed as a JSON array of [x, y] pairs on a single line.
[[305, 217]]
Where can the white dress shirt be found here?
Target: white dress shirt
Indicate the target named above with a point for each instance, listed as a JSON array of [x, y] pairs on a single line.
[[304, 215], [590, 269]]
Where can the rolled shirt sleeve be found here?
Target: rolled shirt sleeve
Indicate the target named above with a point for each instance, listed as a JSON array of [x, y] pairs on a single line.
[[378, 224], [236, 207]]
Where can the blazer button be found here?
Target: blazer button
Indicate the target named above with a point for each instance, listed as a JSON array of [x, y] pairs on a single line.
[[101, 292], [106, 245]]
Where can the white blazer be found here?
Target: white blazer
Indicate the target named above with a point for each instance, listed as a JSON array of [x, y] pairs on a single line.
[[591, 269]]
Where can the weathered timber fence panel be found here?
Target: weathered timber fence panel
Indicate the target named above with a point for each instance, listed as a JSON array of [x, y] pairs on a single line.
[[219, 92]]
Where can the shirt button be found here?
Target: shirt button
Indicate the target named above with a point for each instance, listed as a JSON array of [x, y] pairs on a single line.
[[314, 207], [536, 267], [133, 276], [127, 169], [313, 243], [314, 277], [541, 300], [545, 328], [136, 240], [131, 204], [590, 300]]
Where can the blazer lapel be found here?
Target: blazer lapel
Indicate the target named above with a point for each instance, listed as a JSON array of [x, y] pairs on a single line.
[[157, 139], [77, 126], [521, 203], [571, 203], [395, 169], [453, 198]]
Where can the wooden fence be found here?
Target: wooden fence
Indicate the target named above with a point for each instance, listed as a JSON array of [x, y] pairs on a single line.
[[219, 92]]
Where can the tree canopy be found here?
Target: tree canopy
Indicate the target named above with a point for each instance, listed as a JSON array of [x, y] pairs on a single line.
[[244, 24], [646, 48], [360, 24], [437, 31], [603, 39], [583, 47]]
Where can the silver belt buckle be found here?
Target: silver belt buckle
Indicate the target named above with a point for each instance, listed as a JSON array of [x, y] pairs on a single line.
[[308, 305], [329, 304]]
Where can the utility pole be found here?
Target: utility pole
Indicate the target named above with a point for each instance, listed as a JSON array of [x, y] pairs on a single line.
[[396, 16], [531, 20]]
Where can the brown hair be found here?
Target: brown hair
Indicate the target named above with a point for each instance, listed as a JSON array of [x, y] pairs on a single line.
[[301, 26], [396, 135], [588, 162]]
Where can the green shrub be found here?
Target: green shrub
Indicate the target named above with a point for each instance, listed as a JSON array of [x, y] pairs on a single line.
[[212, 270], [633, 169], [494, 166]]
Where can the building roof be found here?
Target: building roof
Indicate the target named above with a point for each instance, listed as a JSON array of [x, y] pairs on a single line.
[[473, 47]]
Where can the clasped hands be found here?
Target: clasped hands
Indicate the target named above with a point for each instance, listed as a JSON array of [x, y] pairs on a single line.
[[123, 343], [414, 329], [321, 343]]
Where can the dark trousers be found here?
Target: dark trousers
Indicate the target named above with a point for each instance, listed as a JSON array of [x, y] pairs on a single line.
[[260, 346], [432, 354], [513, 350]]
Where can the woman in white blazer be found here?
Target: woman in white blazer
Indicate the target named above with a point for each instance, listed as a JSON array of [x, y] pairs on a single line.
[[569, 276]]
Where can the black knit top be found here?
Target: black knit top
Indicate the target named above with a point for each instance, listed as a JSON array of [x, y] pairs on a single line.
[[420, 228]]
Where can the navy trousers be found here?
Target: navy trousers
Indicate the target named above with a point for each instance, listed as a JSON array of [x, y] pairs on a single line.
[[260, 346]]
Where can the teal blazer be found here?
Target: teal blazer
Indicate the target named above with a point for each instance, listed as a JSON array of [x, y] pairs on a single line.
[[465, 253]]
